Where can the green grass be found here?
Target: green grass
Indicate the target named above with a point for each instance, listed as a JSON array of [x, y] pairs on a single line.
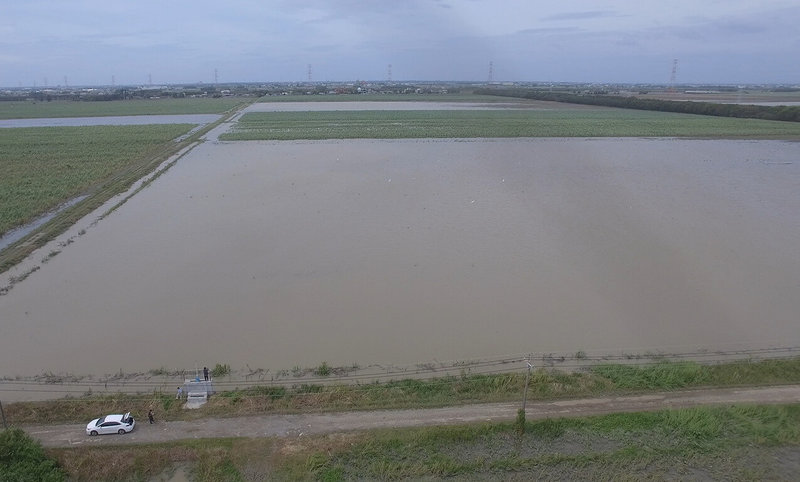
[[23, 459], [44, 166], [630, 445], [600, 122], [465, 97], [33, 110], [417, 393], [740, 442]]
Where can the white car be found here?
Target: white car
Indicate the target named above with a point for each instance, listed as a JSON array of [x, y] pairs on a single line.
[[120, 424]]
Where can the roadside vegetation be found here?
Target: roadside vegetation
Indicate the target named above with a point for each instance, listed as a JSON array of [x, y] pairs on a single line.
[[744, 442], [566, 122], [23, 459], [38, 109], [545, 384]]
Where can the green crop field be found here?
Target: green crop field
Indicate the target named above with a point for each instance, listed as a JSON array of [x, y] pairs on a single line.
[[44, 166], [466, 97], [35, 110], [568, 122]]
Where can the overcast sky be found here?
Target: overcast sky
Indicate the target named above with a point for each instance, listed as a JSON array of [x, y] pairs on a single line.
[[91, 42]]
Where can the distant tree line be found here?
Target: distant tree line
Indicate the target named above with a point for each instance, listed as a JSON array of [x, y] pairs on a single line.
[[779, 113]]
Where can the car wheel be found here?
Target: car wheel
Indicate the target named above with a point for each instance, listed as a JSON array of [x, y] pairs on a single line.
[[93, 433], [121, 431]]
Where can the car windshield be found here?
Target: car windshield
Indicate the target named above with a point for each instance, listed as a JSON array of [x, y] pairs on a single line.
[[100, 420]]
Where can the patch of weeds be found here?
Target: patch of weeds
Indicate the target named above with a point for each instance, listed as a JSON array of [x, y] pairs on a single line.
[[167, 402], [550, 428], [220, 370], [274, 393], [156, 372], [323, 370], [309, 388], [519, 423], [662, 375]]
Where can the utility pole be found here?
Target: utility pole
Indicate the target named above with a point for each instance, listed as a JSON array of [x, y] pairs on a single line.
[[527, 381], [673, 76]]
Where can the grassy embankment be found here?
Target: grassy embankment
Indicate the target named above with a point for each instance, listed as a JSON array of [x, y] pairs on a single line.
[[736, 442], [740, 442], [567, 122], [415, 393], [46, 166]]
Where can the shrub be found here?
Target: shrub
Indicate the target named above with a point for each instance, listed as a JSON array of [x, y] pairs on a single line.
[[221, 370], [323, 370], [23, 459]]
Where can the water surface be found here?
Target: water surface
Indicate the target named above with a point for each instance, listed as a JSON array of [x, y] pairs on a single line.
[[277, 254]]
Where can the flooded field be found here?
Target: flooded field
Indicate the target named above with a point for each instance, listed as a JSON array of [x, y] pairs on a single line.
[[283, 254]]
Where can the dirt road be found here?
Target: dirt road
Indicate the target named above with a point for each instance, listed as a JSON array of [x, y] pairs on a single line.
[[317, 423]]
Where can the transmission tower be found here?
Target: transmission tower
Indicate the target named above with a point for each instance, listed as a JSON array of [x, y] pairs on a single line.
[[216, 77], [673, 76], [491, 71], [65, 81], [309, 72], [389, 73]]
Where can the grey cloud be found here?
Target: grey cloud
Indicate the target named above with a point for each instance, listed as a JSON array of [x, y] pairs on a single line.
[[591, 14]]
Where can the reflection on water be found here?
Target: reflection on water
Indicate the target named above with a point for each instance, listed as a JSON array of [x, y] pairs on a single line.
[[276, 254]]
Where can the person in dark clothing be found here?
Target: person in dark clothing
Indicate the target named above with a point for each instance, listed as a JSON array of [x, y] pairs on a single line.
[[150, 416], [205, 373]]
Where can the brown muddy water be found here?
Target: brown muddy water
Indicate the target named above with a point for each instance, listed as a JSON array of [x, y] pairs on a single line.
[[283, 254]]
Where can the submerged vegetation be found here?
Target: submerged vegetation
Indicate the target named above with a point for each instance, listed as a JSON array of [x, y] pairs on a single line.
[[567, 122], [44, 166]]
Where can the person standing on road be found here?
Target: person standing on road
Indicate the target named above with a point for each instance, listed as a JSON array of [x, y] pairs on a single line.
[[150, 416], [180, 392], [205, 373]]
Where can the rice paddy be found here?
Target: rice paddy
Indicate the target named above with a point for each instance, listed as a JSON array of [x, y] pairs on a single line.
[[604, 122], [43, 167], [33, 110]]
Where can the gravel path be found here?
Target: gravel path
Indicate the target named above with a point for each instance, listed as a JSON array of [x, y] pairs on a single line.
[[317, 423]]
